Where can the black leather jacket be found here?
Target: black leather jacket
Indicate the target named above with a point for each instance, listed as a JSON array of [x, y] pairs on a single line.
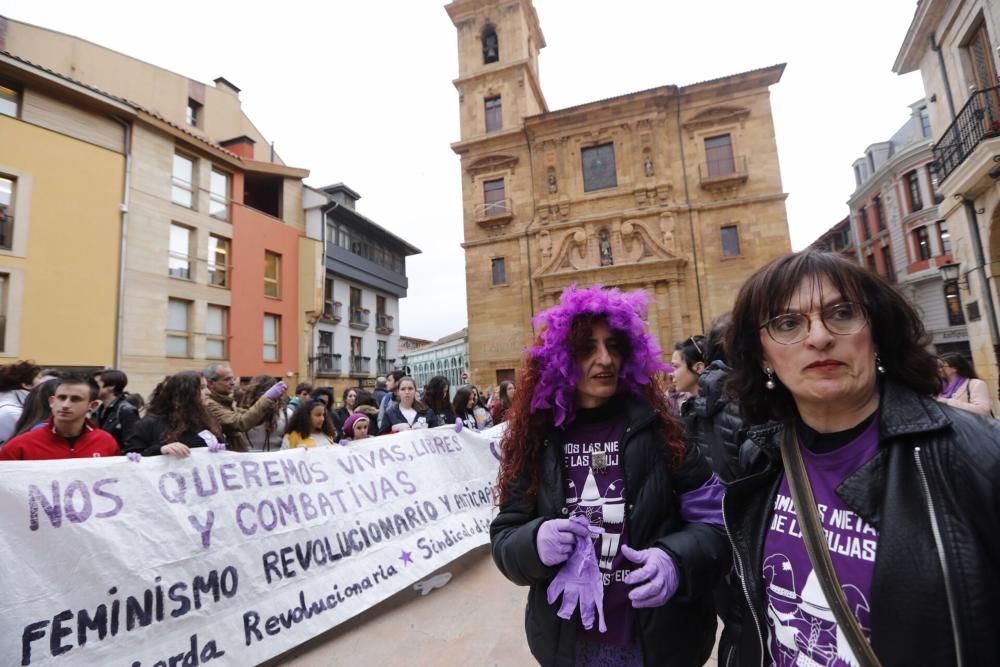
[[682, 631], [713, 421], [931, 491]]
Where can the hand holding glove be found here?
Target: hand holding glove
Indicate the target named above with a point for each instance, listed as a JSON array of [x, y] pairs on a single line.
[[458, 424], [556, 538], [658, 577], [275, 392], [580, 582]]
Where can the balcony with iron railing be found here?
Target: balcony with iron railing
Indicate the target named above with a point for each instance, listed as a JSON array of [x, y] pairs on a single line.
[[723, 172], [360, 317], [6, 231], [385, 366], [978, 120], [327, 364], [332, 311], [493, 213], [383, 324], [360, 365]]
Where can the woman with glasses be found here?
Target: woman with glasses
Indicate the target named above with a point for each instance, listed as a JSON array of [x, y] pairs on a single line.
[[830, 366], [960, 387]]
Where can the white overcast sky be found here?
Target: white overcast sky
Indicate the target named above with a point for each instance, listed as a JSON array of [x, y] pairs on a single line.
[[360, 92]]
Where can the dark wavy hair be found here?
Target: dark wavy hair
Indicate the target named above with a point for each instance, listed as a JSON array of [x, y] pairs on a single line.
[[178, 400], [436, 394], [897, 332], [36, 406], [461, 401], [16, 375], [301, 420], [252, 393], [524, 439], [960, 364]]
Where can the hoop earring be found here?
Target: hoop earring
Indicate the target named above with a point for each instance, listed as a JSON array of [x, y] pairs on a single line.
[[770, 379], [878, 365]]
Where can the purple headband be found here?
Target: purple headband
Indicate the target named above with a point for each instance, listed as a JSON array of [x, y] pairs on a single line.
[[559, 371]]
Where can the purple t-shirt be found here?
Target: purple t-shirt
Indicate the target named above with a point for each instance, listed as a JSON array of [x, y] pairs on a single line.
[[600, 496], [801, 625]]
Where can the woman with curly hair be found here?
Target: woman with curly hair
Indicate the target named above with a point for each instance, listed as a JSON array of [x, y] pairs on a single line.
[[177, 420], [600, 499], [310, 426]]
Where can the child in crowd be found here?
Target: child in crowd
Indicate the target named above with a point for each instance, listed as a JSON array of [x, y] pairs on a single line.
[[310, 426]]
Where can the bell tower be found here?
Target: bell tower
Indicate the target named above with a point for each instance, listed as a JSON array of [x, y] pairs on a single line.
[[498, 45], [498, 87]]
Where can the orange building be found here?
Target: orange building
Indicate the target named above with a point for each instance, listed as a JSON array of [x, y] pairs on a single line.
[[265, 300]]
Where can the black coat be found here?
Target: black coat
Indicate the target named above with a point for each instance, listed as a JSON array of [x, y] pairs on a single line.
[[713, 421], [119, 418], [393, 415], [936, 474], [148, 437], [682, 631]]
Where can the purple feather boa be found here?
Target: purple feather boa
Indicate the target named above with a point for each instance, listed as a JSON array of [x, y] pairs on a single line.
[[559, 372]]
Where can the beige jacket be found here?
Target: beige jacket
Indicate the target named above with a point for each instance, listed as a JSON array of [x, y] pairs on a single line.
[[972, 395], [235, 421]]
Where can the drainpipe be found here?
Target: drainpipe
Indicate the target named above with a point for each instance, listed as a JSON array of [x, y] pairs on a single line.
[[987, 295], [123, 208], [936, 48], [527, 238], [687, 202]]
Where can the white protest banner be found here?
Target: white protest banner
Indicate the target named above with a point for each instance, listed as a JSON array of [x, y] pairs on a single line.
[[227, 559]]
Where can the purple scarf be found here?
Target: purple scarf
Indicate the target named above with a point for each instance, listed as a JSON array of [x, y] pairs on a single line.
[[949, 389]]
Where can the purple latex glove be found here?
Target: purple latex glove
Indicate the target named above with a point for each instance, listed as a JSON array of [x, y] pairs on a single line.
[[343, 443], [658, 576], [275, 392], [458, 424], [134, 457], [580, 583], [211, 441], [556, 538], [704, 504]]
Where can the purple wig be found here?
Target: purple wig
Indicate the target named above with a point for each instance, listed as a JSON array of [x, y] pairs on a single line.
[[558, 371]]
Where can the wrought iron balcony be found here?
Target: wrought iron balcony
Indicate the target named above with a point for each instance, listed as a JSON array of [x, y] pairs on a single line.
[[493, 213], [360, 317], [360, 365], [383, 324], [327, 364], [979, 119], [332, 311], [385, 366]]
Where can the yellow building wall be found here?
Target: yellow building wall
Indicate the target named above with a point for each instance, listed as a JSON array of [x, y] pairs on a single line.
[[63, 294]]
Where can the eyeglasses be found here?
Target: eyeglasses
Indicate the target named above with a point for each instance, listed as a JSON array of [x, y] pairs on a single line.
[[697, 347], [841, 319]]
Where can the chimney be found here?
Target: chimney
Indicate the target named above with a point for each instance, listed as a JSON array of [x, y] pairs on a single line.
[[222, 84], [242, 146]]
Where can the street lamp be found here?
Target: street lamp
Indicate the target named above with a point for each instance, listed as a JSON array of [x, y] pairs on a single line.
[[951, 274]]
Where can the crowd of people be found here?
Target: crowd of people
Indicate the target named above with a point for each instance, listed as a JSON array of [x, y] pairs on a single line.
[[806, 470], [209, 408]]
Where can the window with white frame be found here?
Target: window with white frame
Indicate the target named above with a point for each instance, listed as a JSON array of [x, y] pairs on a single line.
[[179, 262], [9, 101], [216, 331], [7, 187], [272, 333], [183, 189], [218, 261], [218, 196], [178, 328], [272, 274]]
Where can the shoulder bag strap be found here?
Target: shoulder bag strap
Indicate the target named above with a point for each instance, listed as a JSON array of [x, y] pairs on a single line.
[[819, 554]]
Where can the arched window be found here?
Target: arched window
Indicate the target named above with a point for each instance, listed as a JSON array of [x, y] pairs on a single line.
[[491, 46]]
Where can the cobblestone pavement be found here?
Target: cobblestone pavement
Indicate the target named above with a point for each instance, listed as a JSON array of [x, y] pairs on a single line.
[[476, 619]]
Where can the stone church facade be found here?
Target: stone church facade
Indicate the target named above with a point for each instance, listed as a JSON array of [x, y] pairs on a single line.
[[675, 190]]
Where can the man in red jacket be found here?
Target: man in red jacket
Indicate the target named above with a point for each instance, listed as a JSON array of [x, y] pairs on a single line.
[[69, 434]]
